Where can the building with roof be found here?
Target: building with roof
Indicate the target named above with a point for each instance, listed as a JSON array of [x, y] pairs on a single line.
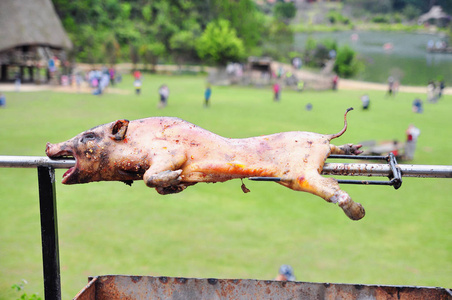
[[31, 37], [435, 16]]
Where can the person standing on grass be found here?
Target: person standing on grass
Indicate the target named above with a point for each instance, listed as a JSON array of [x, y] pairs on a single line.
[[365, 101], [335, 82], [412, 134], [390, 85], [137, 85], [137, 74], [17, 81], [276, 91], [2, 100], [164, 94], [417, 106], [207, 94]]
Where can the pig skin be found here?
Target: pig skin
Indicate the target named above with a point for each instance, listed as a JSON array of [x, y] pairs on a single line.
[[170, 154]]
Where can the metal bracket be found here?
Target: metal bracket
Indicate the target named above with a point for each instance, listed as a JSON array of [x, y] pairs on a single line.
[[395, 175]]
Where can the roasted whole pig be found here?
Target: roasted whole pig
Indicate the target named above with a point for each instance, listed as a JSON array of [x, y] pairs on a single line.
[[170, 154]]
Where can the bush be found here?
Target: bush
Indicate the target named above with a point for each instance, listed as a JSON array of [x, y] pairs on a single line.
[[397, 18], [346, 64], [380, 19], [317, 53], [279, 40], [219, 43], [411, 12], [285, 10], [336, 17]]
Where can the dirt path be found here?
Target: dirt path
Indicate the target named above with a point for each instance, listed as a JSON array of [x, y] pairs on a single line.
[[344, 84], [85, 89]]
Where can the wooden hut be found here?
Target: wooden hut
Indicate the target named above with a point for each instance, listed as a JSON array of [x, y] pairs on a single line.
[[435, 16], [31, 37]]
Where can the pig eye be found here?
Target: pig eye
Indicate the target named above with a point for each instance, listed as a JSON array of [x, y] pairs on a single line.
[[88, 137]]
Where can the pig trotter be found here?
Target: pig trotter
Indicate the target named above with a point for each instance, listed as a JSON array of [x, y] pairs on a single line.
[[164, 179], [172, 189], [347, 149], [355, 211]]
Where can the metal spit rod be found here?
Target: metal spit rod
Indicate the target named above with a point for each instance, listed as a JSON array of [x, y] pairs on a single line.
[[356, 169], [343, 169]]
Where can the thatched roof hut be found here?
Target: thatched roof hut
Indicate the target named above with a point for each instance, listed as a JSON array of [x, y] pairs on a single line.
[[436, 14], [31, 23], [31, 36]]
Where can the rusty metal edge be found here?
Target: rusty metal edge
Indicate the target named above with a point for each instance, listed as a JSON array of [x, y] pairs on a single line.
[[89, 291], [148, 287]]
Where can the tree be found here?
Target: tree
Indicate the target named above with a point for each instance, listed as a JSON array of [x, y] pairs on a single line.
[[284, 11], [346, 64], [132, 23], [112, 49], [151, 52], [279, 40], [244, 17], [219, 43], [182, 45]]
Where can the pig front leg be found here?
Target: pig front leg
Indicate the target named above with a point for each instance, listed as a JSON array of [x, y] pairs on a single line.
[[164, 174], [347, 149]]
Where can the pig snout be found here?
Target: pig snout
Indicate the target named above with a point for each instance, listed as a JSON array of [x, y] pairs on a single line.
[[50, 149], [60, 150]]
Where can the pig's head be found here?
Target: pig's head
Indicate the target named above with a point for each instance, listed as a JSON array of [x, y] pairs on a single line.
[[94, 151]]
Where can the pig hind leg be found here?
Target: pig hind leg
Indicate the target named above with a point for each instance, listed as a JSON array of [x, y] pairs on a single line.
[[328, 189]]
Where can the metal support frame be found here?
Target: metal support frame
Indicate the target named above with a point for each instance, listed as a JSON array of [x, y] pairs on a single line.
[[48, 215], [49, 233], [394, 174], [48, 210]]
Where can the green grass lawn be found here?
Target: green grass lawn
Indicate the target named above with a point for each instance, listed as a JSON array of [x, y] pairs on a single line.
[[215, 230]]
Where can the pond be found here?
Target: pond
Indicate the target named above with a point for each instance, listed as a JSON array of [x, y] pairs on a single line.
[[399, 54]]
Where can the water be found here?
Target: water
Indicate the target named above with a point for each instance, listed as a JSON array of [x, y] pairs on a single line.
[[406, 58]]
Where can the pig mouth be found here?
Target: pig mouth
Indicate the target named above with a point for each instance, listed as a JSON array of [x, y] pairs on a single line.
[[66, 154]]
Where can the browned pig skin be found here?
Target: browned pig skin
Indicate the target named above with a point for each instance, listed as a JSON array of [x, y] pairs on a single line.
[[170, 154]]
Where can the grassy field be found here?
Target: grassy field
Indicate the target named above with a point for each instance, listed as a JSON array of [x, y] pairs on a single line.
[[215, 230]]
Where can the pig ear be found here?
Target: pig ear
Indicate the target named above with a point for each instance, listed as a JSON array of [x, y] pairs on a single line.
[[119, 130]]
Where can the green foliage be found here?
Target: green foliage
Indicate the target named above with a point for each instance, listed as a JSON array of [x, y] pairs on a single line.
[[182, 43], [317, 53], [346, 64], [372, 6], [219, 43], [112, 49], [411, 9], [380, 19], [150, 53], [243, 16], [397, 18], [284, 10], [20, 287], [126, 25], [280, 40], [335, 17], [294, 54], [411, 12]]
